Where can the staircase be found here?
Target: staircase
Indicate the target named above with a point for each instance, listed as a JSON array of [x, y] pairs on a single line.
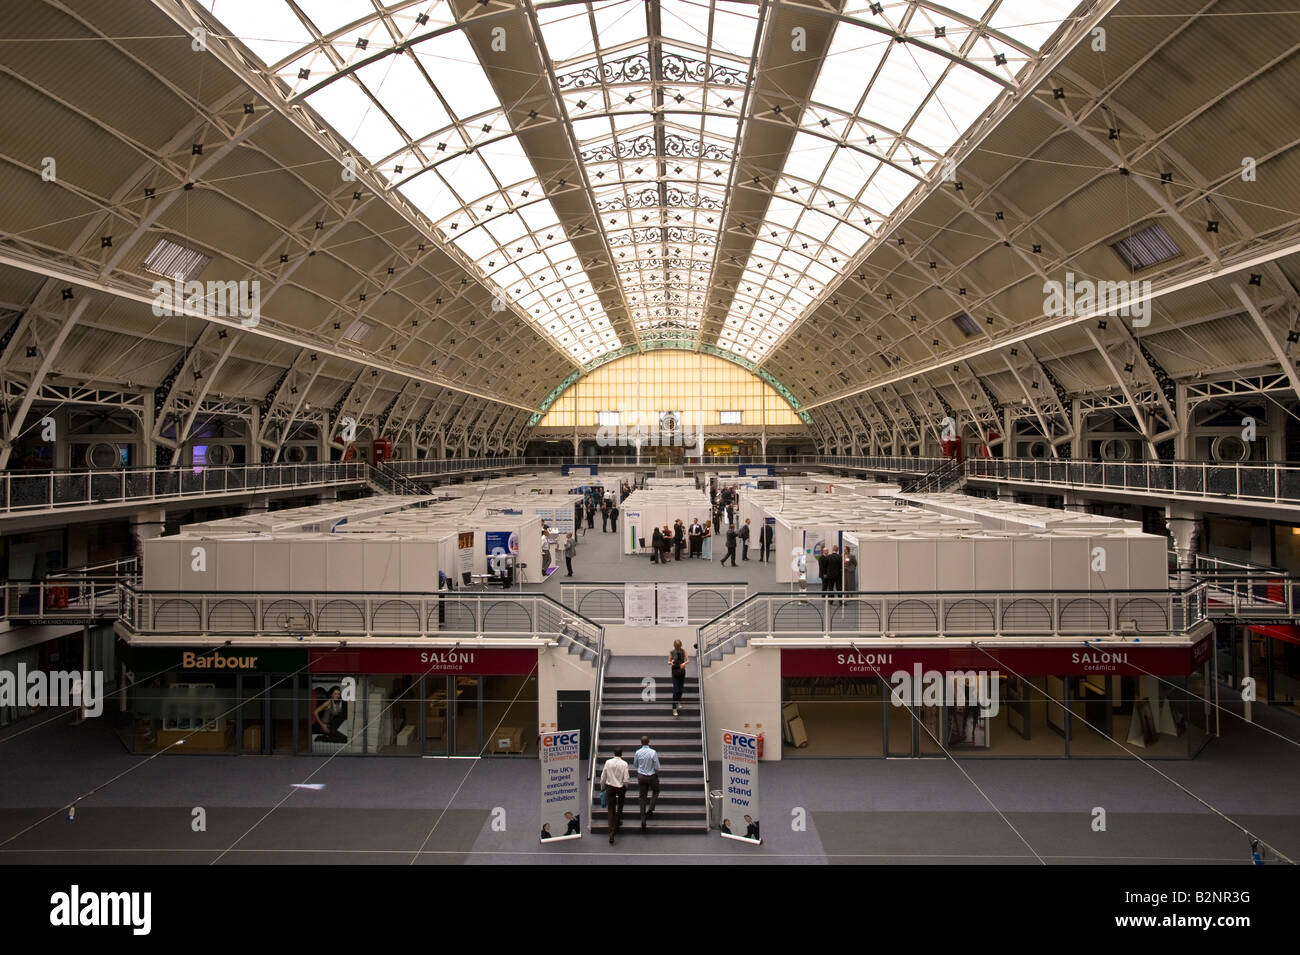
[[624, 719], [947, 476], [387, 480]]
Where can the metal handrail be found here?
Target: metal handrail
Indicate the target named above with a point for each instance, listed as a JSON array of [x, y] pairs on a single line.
[[128, 567], [61, 598], [24, 492], [595, 722], [310, 614], [1278, 482], [704, 722], [1037, 614]]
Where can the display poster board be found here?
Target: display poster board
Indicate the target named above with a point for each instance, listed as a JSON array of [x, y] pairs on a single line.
[[557, 518], [632, 527], [740, 817], [330, 705], [673, 611], [465, 553], [500, 543], [638, 604], [561, 779]]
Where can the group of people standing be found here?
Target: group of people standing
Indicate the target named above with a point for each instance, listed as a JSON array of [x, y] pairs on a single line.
[[834, 569], [603, 500], [668, 543], [606, 501]]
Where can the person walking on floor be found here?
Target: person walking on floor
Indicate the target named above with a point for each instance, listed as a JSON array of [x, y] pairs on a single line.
[[731, 547], [677, 661], [667, 543], [604, 517], [764, 541], [679, 539], [613, 780], [570, 548], [717, 520], [546, 552], [656, 545], [647, 778], [697, 537], [744, 540], [613, 518], [591, 516]]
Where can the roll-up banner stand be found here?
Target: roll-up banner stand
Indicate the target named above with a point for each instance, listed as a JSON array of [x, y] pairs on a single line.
[[740, 816], [561, 778]]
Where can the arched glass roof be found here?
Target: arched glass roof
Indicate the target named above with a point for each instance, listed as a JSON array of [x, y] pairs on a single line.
[[655, 94]]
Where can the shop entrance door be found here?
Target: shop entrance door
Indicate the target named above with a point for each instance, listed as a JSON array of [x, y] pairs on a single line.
[[253, 712], [436, 716], [467, 721], [913, 730]]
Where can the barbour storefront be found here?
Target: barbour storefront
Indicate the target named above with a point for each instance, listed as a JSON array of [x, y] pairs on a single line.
[[385, 701], [213, 699]]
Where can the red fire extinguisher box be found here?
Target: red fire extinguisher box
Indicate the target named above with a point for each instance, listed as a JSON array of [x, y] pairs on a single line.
[[383, 450]]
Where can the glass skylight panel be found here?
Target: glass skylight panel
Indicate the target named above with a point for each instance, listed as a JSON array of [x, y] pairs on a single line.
[[328, 15], [450, 61], [396, 82], [851, 60], [428, 193], [958, 102], [903, 83], [467, 176], [345, 106], [270, 29], [888, 188], [507, 160], [1031, 22], [567, 32]]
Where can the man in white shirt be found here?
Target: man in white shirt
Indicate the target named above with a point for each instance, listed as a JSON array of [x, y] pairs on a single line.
[[613, 779]]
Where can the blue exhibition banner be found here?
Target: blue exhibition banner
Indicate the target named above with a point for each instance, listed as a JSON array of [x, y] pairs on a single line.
[[740, 816]]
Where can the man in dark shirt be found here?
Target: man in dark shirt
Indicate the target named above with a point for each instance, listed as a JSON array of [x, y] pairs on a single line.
[[679, 539], [834, 571], [731, 546]]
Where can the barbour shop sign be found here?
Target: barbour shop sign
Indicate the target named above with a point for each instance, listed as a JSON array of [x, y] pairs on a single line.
[[215, 661]]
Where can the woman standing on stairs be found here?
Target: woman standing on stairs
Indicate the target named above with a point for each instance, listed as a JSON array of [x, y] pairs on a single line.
[[677, 660]]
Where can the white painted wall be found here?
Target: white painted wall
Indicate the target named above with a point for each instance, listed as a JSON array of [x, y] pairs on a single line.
[[648, 641], [558, 669], [744, 691]]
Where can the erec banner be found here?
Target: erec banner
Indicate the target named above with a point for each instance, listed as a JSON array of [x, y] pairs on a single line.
[[740, 798], [561, 804]]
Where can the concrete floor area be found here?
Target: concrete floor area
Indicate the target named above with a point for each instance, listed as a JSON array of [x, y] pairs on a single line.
[[132, 809]]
